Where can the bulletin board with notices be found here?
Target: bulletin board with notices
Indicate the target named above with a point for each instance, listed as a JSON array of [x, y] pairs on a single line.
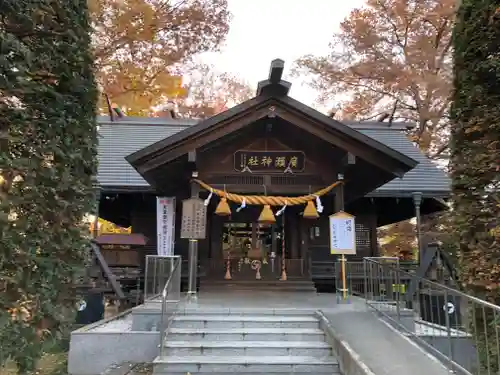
[[342, 234]]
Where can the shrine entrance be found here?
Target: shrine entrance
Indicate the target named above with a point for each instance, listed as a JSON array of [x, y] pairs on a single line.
[[253, 249], [244, 249], [267, 160]]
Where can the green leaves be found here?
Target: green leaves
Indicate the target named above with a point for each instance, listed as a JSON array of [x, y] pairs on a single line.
[[475, 156], [48, 115]]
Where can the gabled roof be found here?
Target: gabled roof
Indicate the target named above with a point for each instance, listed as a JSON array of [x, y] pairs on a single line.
[[283, 107], [426, 177], [123, 137]]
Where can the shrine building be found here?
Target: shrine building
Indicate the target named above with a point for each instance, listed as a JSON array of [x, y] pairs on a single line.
[[270, 145]]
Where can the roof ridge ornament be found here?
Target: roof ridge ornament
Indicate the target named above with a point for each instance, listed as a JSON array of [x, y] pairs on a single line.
[[274, 85]]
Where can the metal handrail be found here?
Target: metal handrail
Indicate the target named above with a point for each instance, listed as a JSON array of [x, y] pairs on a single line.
[[435, 316], [435, 284], [164, 324]]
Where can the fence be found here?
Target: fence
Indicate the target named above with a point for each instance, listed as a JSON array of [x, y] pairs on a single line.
[[355, 274], [459, 329], [159, 268]]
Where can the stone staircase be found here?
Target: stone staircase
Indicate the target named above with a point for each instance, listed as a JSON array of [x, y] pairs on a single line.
[[290, 285], [237, 343]]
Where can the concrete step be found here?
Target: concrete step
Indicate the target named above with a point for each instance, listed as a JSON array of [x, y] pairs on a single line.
[[232, 321], [245, 364], [247, 348], [246, 334], [250, 373], [257, 282], [253, 289], [258, 285], [245, 311]]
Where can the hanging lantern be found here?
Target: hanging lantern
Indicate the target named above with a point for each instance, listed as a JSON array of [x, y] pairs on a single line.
[[223, 208], [310, 212], [267, 216]]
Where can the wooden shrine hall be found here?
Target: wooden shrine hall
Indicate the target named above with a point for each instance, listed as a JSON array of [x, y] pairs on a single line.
[[270, 172]]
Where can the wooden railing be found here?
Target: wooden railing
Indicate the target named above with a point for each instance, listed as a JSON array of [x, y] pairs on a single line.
[[239, 269]]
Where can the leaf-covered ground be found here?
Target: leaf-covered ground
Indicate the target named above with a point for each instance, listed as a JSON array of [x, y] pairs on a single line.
[[48, 364]]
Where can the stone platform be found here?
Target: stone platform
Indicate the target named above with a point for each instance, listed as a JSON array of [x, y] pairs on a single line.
[[362, 344]]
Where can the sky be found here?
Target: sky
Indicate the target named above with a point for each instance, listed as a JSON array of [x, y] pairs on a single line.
[[263, 30]]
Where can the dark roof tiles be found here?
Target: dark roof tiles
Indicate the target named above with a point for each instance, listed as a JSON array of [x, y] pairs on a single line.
[[123, 137]]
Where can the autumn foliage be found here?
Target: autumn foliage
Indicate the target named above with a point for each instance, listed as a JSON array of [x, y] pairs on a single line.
[[141, 45], [211, 92], [391, 56]]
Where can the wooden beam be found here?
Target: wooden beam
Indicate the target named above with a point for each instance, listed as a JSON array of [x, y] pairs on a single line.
[[192, 156], [274, 85], [107, 271], [338, 139], [204, 138], [276, 71], [339, 201], [349, 159], [270, 189], [273, 89]]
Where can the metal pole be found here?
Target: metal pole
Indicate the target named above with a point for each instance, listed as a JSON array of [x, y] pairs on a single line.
[[344, 282], [398, 291], [365, 280], [146, 278], [193, 248], [193, 269], [448, 329], [417, 200]]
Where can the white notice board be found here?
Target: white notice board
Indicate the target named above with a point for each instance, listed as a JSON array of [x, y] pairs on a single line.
[[342, 234], [165, 222]]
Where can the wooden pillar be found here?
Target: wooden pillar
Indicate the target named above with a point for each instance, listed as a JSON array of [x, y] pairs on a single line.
[[375, 251], [304, 228], [338, 204], [255, 227], [274, 243], [216, 228], [193, 243], [294, 237]]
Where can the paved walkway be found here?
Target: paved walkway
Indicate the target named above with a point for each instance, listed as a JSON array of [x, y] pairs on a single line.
[[383, 350], [267, 300]]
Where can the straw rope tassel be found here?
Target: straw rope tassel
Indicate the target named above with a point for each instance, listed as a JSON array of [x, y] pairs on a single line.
[[267, 216], [222, 208], [310, 211]]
